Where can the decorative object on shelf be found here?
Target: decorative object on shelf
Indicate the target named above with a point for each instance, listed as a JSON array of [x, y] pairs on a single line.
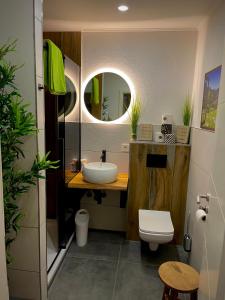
[[134, 114], [183, 131], [167, 119], [166, 128], [210, 98], [158, 137], [145, 132], [170, 138]]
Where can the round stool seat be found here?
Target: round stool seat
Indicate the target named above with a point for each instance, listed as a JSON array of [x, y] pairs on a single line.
[[179, 278]]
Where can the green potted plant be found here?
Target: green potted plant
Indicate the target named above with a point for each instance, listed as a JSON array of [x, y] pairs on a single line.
[[135, 114], [183, 131], [16, 123]]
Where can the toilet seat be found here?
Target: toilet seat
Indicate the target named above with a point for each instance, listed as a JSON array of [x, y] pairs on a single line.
[[155, 222]]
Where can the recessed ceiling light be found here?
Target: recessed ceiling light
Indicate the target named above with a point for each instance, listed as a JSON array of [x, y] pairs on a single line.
[[123, 8]]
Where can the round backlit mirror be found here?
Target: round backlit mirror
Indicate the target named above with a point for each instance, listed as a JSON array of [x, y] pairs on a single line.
[[107, 96], [67, 102]]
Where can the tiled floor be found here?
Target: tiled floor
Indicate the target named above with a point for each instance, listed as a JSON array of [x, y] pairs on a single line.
[[111, 268]]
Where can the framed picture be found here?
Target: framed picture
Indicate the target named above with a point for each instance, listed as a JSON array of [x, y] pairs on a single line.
[[210, 98]]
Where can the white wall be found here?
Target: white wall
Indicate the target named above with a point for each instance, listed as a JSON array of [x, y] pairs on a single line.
[[207, 167], [3, 272], [161, 67]]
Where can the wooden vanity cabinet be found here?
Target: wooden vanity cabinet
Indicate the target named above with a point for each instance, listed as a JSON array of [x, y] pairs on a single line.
[[158, 176]]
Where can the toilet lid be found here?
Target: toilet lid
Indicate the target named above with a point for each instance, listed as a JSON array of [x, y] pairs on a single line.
[[154, 221]]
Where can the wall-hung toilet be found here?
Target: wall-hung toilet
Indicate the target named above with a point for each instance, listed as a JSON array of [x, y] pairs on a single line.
[[155, 227]]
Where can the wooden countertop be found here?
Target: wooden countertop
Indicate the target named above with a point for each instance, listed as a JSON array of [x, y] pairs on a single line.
[[78, 182]]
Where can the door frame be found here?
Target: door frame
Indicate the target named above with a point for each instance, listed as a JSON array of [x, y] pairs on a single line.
[[3, 270]]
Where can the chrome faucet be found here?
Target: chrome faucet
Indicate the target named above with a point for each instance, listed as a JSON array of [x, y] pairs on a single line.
[[103, 156]]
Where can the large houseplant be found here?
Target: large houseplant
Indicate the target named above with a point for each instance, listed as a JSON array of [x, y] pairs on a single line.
[[16, 123], [183, 131]]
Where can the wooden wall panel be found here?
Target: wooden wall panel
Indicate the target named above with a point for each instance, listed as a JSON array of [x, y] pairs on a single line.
[[157, 188], [180, 180], [71, 46], [161, 179], [138, 192], [55, 37], [68, 42]]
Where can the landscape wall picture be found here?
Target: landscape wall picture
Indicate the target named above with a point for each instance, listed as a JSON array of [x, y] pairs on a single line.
[[210, 98]]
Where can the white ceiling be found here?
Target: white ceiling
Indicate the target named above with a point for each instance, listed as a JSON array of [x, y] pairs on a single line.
[[142, 14]]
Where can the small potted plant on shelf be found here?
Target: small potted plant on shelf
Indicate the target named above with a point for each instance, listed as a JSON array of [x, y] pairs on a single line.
[[183, 131], [134, 117]]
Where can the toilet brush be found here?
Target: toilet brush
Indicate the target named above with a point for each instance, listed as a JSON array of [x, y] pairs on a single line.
[[187, 237]]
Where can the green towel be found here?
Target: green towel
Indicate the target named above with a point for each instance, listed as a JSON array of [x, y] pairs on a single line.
[[95, 91], [54, 77]]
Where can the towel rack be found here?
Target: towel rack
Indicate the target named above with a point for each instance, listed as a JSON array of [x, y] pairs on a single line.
[[45, 46]]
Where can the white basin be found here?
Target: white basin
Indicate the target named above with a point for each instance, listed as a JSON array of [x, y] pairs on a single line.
[[100, 172]]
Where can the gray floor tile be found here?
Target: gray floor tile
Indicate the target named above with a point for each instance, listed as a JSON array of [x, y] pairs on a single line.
[[136, 281], [136, 252], [110, 268], [95, 250], [84, 279], [183, 256], [106, 236]]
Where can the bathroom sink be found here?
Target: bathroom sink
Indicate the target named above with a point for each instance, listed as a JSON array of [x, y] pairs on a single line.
[[100, 172]]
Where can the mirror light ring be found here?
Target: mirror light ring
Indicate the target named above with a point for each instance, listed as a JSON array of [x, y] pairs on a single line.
[[77, 95], [84, 109]]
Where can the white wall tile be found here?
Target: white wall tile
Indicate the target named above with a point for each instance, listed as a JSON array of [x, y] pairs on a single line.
[[203, 146], [221, 286], [91, 156], [30, 151], [206, 236], [38, 47], [40, 104], [219, 162], [120, 159], [41, 142], [214, 235], [198, 180], [28, 202], [44, 287], [43, 247], [38, 9], [25, 250], [24, 284], [96, 137], [204, 291], [42, 199]]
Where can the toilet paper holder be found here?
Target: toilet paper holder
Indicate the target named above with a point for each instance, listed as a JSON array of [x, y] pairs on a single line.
[[199, 199]]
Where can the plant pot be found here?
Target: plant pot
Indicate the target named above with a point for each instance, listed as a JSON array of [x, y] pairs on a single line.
[[182, 134], [133, 136]]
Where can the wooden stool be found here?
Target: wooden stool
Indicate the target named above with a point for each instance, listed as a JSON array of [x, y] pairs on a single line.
[[178, 278]]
